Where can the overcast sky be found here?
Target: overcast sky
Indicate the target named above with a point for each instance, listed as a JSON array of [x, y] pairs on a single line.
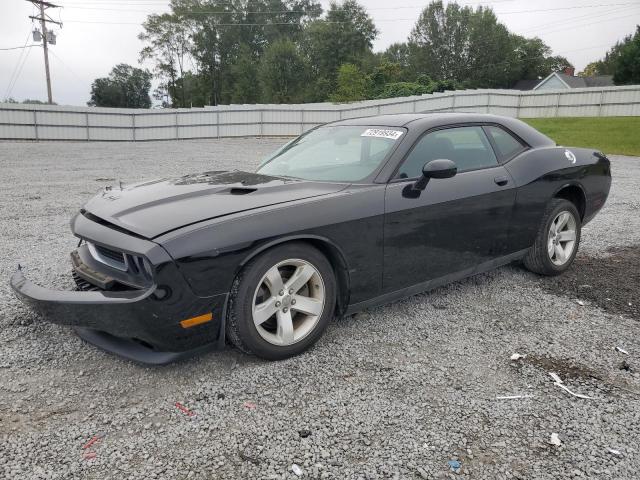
[[581, 30]]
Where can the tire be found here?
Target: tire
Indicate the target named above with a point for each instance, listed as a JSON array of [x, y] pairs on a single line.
[[543, 257], [257, 292]]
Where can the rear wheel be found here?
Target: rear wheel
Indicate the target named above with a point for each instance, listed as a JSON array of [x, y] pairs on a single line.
[[281, 302], [557, 240]]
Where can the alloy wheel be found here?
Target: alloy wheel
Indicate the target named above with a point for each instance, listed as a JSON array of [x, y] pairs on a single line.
[[562, 238], [288, 302]]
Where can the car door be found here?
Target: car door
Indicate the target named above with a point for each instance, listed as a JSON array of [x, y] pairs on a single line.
[[454, 224]]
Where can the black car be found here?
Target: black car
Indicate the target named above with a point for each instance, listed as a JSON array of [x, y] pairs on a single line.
[[349, 215]]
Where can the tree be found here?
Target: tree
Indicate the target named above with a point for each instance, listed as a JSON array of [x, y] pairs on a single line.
[[125, 87], [31, 101], [352, 84], [168, 44], [491, 58], [534, 60], [439, 41], [283, 73], [245, 72], [345, 36], [220, 43], [397, 53], [627, 65], [590, 70], [473, 48], [383, 74], [607, 65]]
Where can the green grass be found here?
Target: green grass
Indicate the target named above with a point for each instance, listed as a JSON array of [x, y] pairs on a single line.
[[611, 135]]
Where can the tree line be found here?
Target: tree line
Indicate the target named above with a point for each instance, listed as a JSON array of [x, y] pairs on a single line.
[[209, 52], [622, 61]]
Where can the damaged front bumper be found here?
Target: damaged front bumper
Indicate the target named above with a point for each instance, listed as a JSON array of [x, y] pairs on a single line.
[[135, 324], [144, 324]]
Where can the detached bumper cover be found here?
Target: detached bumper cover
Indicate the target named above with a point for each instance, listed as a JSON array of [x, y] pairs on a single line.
[[147, 318]]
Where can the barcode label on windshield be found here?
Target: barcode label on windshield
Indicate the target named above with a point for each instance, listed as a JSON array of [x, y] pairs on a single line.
[[381, 133]]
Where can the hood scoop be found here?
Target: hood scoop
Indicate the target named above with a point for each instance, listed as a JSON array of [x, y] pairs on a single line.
[[241, 190]]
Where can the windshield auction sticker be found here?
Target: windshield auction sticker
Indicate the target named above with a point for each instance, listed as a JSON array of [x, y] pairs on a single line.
[[381, 133]]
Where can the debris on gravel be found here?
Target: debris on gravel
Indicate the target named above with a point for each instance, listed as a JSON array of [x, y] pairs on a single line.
[[394, 392], [610, 280]]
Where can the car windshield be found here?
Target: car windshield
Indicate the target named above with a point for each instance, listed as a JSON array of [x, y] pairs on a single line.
[[333, 153]]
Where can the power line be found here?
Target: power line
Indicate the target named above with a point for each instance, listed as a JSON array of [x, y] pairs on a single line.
[[593, 47], [587, 24], [166, 3], [280, 12], [17, 48], [217, 24], [15, 69], [15, 79], [244, 24], [67, 66], [578, 18], [252, 24]]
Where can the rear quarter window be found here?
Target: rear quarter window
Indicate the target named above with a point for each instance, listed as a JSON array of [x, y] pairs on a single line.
[[506, 144]]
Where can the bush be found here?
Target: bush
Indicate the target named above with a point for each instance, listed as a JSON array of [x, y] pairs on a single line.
[[352, 84], [406, 89]]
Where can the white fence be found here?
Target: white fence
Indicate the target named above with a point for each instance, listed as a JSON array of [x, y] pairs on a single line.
[[50, 122]]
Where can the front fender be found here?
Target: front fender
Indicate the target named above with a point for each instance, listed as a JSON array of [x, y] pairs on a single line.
[[348, 224]]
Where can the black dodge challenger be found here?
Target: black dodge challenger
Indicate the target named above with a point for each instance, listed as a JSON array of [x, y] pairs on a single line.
[[349, 215]]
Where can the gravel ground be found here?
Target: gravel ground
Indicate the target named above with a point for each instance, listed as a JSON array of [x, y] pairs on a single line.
[[394, 392]]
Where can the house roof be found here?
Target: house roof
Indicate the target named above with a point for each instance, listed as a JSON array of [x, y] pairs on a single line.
[[571, 81], [525, 84], [599, 81], [579, 82]]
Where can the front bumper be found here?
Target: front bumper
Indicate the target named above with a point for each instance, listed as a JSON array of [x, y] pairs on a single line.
[[143, 325]]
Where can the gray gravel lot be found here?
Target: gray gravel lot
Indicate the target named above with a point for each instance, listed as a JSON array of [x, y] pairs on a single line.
[[394, 392]]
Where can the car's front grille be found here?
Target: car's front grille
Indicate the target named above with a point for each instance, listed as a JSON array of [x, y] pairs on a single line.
[[124, 268], [107, 256], [112, 254]]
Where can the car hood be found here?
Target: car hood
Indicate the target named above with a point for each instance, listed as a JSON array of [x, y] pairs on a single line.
[[152, 208]]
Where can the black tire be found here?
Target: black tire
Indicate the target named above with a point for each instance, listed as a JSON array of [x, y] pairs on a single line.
[[240, 329], [537, 259]]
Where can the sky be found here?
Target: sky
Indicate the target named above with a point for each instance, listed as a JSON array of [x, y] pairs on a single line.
[[98, 34]]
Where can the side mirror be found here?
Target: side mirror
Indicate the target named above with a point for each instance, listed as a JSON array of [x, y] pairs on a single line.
[[441, 168]]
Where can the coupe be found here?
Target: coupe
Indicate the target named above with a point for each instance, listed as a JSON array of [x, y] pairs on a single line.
[[349, 215]]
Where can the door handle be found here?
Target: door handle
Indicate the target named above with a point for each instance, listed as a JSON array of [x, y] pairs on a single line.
[[501, 181]]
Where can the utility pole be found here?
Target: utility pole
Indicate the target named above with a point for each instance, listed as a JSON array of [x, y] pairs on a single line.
[[43, 18]]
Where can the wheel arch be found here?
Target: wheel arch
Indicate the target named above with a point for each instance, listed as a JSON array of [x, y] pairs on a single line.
[[574, 193], [328, 248]]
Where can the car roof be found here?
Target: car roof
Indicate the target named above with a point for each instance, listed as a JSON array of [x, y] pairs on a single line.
[[426, 121]]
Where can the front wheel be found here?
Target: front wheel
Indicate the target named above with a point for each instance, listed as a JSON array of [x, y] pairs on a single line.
[[557, 241], [281, 302]]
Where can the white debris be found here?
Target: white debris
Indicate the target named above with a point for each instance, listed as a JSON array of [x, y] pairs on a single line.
[[555, 377], [622, 350], [558, 382], [580, 302], [615, 452], [296, 469], [555, 440], [513, 397], [517, 356]]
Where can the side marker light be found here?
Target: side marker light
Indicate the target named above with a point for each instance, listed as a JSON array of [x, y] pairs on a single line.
[[192, 322]]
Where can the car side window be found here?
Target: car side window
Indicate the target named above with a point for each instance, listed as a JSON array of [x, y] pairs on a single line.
[[467, 147], [507, 145]]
